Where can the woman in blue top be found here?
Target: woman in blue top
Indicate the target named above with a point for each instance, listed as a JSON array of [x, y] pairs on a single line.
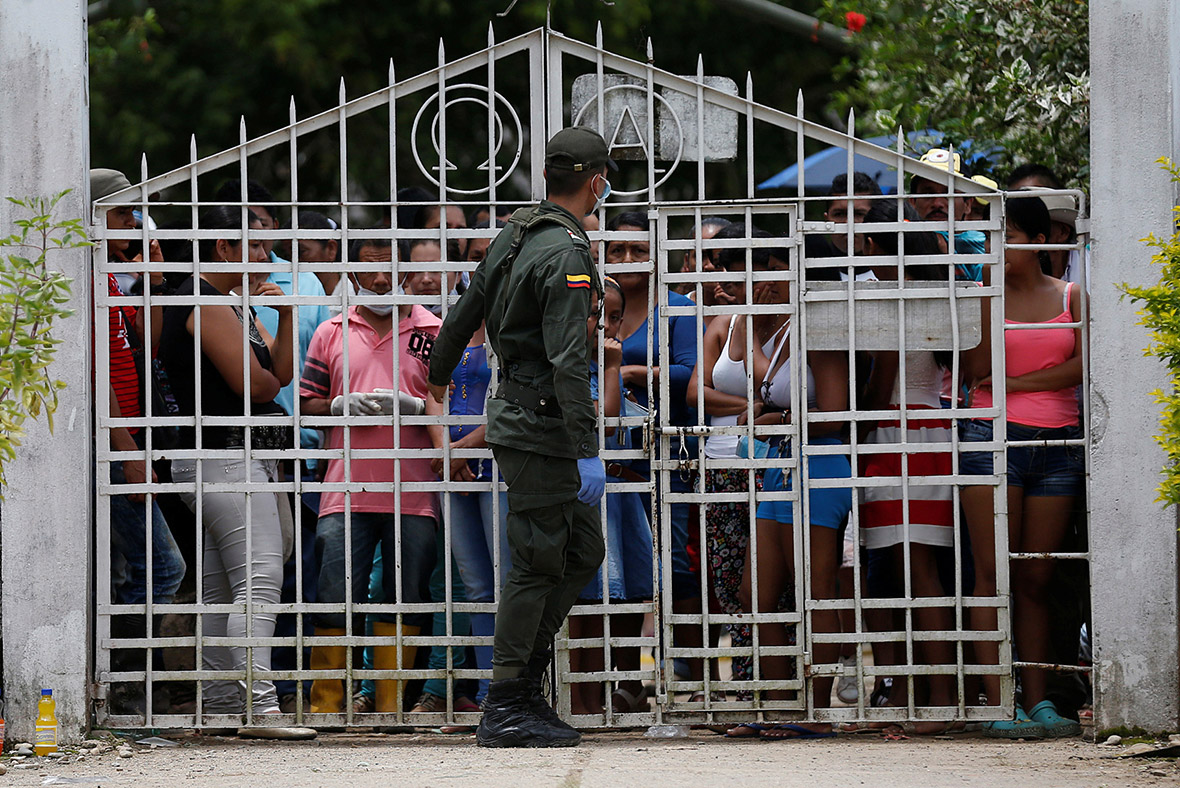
[[628, 561], [640, 331]]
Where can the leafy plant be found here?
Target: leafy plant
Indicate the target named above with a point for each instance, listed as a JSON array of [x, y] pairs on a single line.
[[32, 299], [1009, 73], [1160, 312]]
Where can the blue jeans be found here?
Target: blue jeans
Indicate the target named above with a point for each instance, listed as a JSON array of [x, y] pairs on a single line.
[[129, 538], [474, 533], [368, 530], [460, 622]]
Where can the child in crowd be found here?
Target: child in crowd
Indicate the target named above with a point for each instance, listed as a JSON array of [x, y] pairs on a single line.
[[628, 564]]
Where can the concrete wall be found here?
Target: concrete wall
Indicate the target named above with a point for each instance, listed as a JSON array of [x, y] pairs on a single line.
[[1135, 65], [44, 149]]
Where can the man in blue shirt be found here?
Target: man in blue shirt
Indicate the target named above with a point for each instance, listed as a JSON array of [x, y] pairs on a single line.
[[936, 207]]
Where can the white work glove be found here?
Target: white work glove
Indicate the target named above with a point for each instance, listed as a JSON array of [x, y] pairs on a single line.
[[390, 400], [359, 404]]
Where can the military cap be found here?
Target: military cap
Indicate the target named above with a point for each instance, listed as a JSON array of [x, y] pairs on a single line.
[[104, 182], [578, 148]]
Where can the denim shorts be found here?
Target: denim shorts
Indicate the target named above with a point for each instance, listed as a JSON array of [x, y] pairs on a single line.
[[1042, 471], [829, 505]]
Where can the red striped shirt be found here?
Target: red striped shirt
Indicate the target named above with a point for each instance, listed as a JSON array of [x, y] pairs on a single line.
[[124, 375]]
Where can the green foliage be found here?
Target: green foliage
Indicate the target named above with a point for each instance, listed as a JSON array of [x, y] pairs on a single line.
[[163, 71], [1160, 312], [1013, 73], [32, 298]]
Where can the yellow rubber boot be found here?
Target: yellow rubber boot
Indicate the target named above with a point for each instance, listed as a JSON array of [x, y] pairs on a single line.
[[385, 658], [327, 695]]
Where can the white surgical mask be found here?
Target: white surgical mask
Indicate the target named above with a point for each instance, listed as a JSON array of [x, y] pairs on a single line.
[[379, 309], [461, 285], [605, 193]]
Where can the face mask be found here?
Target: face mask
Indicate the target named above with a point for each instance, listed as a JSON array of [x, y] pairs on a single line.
[[605, 193], [459, 289], [379, 309]]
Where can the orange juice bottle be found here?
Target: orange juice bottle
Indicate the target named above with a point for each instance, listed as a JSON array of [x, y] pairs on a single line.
[[45, 737]]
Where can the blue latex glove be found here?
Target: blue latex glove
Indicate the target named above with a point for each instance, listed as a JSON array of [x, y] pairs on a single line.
[[593, 474]]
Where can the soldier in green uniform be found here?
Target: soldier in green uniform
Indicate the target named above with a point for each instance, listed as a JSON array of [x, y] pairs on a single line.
[[534, 290]]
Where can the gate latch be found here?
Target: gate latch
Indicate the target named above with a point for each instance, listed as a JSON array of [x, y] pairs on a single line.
[[685, 466]]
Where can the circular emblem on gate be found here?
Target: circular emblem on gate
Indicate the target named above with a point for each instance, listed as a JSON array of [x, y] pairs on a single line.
[[627, 135], [473, 115]]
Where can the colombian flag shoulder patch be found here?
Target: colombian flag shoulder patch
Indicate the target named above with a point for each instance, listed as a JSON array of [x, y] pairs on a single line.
[[577, 280]]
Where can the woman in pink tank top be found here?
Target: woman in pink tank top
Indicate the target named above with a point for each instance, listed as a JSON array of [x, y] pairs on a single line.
[[1043, 371]]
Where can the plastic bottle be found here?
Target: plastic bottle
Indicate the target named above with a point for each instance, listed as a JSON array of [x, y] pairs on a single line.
[[45, 739], [667, 732]]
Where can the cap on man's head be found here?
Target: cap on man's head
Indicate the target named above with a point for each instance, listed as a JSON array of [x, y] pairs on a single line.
[[579, 149], [1062, 207], [983, 180], [104, 182]]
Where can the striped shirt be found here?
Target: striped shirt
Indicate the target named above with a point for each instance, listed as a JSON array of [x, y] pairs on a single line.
[[124, 375]]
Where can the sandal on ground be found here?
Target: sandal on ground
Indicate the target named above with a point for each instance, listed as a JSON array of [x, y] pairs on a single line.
[[1023, 727], [788, 731], [857, 728], [910, 728], [285, 733], [462, 704], [363, 704], [465, 704], [1056, 726], [747, 730], [699, 697], [623, 701], [282, 733]]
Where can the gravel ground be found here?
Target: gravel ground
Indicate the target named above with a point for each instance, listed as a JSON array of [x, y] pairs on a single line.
[[614, 759]]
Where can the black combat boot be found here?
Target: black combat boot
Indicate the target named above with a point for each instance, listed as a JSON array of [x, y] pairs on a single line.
[[537, 672], [509, 720]]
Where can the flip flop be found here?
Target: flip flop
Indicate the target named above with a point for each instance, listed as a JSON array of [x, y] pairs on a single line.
[[624, 702], [756, 727], [908, 728], [860, 728], [799, 732]]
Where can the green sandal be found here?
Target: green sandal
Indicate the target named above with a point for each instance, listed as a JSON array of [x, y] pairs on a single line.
[[1056, 726], [1023, 727]]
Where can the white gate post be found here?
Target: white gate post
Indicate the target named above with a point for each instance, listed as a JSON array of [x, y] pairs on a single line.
[[1134, 67], [46, 511]]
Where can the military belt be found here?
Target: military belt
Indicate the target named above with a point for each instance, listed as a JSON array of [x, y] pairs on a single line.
[[528, 398]]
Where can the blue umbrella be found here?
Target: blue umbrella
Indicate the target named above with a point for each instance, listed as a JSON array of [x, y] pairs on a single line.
[[824, 166]]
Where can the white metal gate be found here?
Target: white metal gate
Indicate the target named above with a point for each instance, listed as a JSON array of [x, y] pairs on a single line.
[[668, 131]]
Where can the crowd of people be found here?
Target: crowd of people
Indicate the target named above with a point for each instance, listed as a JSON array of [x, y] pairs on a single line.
[[374, 532]]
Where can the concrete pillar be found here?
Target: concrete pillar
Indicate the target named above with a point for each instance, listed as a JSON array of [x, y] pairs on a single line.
[[1134, 67], [46, 511]]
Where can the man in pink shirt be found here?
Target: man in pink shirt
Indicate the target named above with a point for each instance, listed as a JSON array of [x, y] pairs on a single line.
[[376, 381]]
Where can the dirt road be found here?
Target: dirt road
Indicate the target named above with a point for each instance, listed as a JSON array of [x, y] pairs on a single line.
[[627, 759]]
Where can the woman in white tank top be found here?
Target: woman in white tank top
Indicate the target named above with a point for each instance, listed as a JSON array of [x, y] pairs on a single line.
[[725, 379], [825, 377]]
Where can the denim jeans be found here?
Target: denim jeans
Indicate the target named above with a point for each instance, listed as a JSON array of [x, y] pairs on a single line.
[[474, 533], [460, 622], [1039, 470], [129, 539], [368, 530]]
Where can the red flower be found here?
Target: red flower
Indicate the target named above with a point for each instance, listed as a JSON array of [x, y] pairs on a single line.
[[854, 21]]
